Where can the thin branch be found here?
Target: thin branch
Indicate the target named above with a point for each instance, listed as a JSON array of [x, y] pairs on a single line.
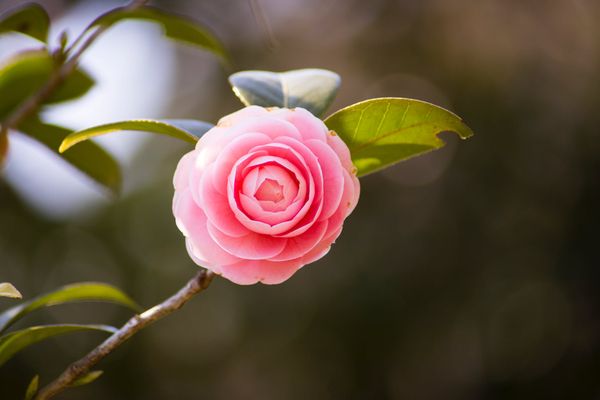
[[197, 284], [33, 103]]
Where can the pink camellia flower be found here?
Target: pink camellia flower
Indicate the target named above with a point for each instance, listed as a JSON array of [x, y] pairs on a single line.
[[265, 192]]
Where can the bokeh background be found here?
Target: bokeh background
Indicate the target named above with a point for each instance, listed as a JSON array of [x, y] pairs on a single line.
[[468, 273]]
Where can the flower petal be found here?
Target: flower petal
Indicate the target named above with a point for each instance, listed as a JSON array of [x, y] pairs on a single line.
[[333, 179], [216, 207], [182, 172], [193, 224], [341, 149], [320, 250], [306, 123], [242, 115], [298, 246], [252, 246], [268, 272], [231, 154], [287, 158]]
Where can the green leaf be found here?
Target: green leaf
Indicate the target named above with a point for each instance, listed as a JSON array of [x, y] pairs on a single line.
[[87, 291], [75, 86], [27, 72], [8, 290], [382, 132], [32, 388], [312, 89], [13, 342], [87, 378], [89, 158], [185, 129], [29, 19], [175, 27]]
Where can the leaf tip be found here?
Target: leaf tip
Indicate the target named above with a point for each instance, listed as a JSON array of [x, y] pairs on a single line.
[[64, 146], [87, 378], [32, 389], [8, 290]]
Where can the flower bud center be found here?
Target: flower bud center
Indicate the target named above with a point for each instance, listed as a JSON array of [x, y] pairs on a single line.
[[269, 190]]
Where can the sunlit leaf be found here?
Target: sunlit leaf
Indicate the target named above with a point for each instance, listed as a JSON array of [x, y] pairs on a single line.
[[29, 19], [78, 292], [382, 132], [8, 290], [176, 27], [32, 388], [27, 72], [87, 378], [185, 129], [89, 158], [13, 342], [312, 89]]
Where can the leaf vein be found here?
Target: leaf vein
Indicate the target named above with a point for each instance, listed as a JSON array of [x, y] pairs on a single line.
[[385, 113], [378, 138]]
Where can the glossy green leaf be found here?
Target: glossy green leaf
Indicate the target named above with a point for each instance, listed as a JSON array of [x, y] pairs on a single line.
[[78, 292], [29, 19], [89, 158], [188, 130], [87, 378], [8, 290], [176, 27], [32, 388], [13, 342], [382, 132], [24, 74], [312, 89]]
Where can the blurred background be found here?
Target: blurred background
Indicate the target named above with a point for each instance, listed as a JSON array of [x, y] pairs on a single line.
[[468, 273]]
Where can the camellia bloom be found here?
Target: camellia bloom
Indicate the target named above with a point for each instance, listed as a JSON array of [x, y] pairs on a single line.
[[265, 192]]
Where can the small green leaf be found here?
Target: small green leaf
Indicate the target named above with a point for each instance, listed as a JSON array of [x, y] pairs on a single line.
[[32, 388], [176, 27], [188, 130], [29, 19], [8, 290], [89, 158], [87, 378], [78, 292], [382, 132], [13, 342], [75, 86], [63, 39], [27, 72], [312, 89]]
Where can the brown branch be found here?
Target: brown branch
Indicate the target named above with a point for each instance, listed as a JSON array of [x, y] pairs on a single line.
[[76, 370], [197, 284]]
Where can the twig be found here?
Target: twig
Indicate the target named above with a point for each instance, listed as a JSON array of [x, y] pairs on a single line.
[[33, 103], [197, 284]]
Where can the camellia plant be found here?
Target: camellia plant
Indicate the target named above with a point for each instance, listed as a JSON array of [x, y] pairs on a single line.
[[261, 194]]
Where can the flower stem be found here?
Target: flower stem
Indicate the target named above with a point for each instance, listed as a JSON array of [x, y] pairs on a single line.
[[77, 369]]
